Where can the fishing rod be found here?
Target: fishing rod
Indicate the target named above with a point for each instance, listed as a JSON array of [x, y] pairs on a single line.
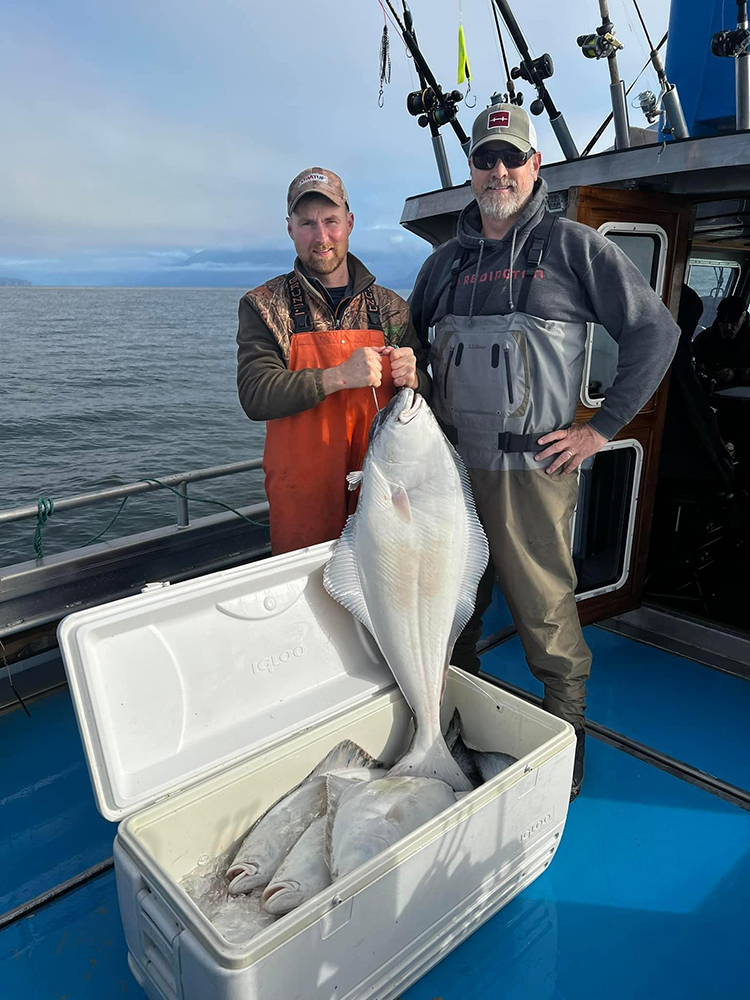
[[512, 97], [734, 45], [535, 72], [602, 128], [669, 96], [602, 44], [430, 105], [424, 102]]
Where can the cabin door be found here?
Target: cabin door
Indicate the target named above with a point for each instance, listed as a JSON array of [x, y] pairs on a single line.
[[616, 495]]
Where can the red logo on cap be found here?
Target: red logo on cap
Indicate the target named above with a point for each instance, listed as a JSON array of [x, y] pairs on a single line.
[[498, 119]]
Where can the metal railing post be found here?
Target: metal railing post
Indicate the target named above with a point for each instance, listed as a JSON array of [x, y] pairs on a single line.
[[183, 515]]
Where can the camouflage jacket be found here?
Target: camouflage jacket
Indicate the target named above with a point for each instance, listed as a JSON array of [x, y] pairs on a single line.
[[267, 389]]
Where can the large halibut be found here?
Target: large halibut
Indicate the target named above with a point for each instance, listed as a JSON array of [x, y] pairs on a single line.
[[408, 564]]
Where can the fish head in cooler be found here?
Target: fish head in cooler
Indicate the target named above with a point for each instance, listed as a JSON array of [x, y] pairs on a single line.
[[245, 877], [281, 897], [405, 438]]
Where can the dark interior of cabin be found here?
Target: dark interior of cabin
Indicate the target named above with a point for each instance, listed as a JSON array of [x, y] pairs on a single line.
[[698, 561]]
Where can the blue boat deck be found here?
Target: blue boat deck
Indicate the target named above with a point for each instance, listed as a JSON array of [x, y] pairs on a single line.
[[647, 895]]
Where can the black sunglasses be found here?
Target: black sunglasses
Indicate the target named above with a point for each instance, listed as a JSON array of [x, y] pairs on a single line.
[[485, 159]]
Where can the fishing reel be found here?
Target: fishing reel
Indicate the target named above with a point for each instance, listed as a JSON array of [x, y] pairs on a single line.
[[541, 69], [507, 98], [649, 105], [730, 44], [600, 44], [440, 109]]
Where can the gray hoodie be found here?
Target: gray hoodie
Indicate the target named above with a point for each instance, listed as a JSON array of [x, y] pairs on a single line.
[[583, 278]]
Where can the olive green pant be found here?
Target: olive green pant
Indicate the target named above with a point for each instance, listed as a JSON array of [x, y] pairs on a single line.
[[527, 518]]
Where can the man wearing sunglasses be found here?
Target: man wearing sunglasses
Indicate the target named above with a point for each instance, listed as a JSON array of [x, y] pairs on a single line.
[[509, 300]]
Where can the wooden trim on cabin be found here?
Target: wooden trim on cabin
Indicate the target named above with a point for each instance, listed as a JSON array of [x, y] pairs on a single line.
[[594, 207]]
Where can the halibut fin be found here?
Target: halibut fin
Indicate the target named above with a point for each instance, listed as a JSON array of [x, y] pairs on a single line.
[[477, 556], [341, 576], [344, 755], [336, 785], [400, 500]]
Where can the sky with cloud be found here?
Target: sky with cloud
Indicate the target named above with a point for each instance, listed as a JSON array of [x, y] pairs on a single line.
[[137, 133]]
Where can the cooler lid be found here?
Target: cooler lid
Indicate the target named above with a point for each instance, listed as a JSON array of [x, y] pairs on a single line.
[[179, 682]]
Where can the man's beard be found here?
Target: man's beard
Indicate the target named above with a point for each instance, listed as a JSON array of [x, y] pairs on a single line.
[[500, 207], [327, 264]]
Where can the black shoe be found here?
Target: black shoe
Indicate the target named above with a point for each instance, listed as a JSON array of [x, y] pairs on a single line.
[[578, 764]]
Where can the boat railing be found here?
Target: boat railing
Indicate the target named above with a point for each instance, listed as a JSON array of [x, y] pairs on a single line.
[[36, 594], [177, 483]]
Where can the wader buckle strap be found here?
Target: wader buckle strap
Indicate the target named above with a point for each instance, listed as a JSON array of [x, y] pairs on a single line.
[[299, 312], [519, 442], [373, 312], [538, 241]]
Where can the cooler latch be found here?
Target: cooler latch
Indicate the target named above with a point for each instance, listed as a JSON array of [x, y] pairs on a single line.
[[337, 917], [160, 950]]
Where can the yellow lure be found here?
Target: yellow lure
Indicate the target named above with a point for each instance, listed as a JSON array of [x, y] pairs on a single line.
[[464, 70]]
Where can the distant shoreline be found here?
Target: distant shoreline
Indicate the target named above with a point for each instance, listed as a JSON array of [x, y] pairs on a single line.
[[126, 288], [145, 288]]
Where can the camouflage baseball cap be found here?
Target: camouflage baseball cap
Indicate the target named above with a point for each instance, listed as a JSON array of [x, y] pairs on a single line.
[[317, 180], [506, 123]]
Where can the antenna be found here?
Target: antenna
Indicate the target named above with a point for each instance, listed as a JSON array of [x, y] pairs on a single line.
[[734, 45], [535, 72], [602, 44]]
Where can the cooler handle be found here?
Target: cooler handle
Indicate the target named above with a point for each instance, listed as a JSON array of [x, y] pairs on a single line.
[[160, 933]]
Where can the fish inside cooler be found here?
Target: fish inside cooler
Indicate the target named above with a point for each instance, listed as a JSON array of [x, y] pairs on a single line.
[[346, 811], [193, 837]]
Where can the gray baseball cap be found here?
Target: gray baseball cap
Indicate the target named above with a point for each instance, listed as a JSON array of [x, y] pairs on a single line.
[[503, 123], [317, 180]]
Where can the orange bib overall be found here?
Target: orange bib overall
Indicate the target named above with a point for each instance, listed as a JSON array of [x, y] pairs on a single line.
[[308, 456]]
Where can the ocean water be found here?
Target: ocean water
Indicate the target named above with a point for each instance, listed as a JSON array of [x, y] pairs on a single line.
[[105, 386]]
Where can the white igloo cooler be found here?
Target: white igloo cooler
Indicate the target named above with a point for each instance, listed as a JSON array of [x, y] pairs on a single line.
[[200, 704]]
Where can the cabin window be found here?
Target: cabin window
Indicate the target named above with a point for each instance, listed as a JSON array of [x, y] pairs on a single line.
[[604, 520], [713, 280], [646, 246]]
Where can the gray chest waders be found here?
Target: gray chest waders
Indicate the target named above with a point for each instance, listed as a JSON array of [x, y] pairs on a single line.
[[503, 381], [500, 383]]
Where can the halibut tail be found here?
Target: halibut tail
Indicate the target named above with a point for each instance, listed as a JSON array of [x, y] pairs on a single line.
[[434, 761]]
